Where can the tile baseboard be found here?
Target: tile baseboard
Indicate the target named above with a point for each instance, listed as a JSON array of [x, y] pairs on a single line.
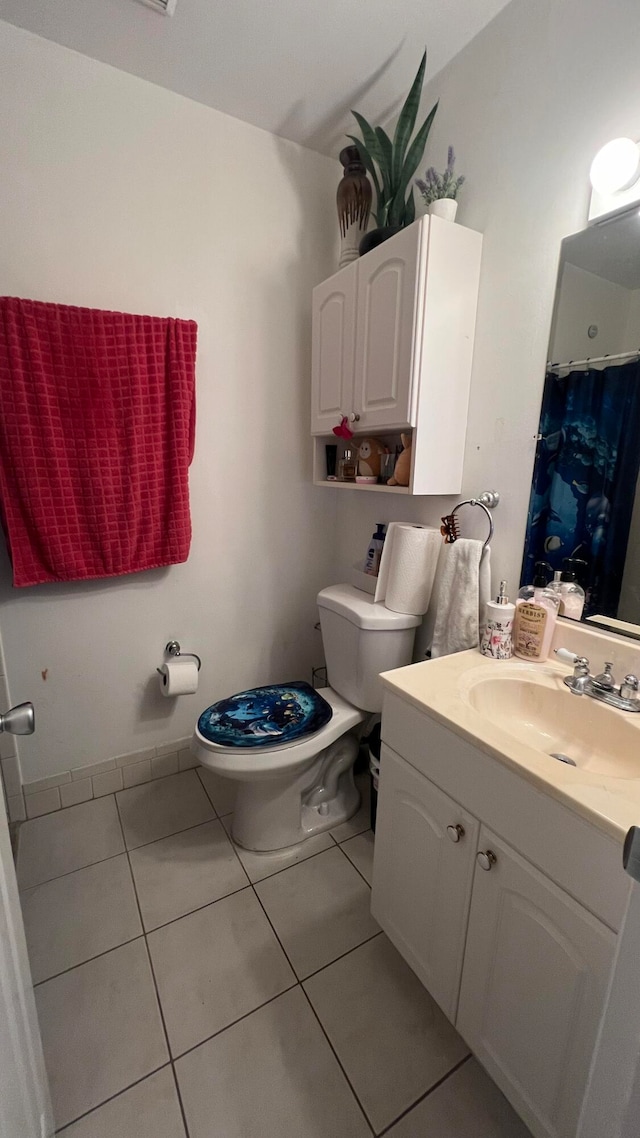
[[66, 788]]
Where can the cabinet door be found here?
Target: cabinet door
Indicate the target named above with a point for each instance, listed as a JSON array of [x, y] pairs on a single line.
[[534, 980], [387, 283], [333, 350], [422, 878]]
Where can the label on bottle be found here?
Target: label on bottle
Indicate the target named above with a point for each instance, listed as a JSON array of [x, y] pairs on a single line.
[[531, 621], [496, 638]]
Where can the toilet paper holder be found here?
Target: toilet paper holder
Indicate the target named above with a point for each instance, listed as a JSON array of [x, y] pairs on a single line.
[[173, 649]]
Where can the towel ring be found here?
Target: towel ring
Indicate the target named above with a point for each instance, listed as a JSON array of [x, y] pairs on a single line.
[[487, 501]]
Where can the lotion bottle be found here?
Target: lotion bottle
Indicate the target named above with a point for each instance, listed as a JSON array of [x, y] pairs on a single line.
[[535, 618], [374, 552], [496, 638]]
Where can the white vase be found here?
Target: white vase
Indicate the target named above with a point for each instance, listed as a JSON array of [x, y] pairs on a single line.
[[444, 207]]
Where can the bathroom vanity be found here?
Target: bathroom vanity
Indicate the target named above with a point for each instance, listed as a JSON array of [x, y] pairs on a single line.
[[498, 869]]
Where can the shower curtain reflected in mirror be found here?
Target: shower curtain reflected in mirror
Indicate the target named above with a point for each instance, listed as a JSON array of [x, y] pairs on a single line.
[[585, 477]]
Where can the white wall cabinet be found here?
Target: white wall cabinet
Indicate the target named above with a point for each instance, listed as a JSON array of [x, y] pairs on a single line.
[[392, 348], [514, 960], [333, 348], [425, 854]]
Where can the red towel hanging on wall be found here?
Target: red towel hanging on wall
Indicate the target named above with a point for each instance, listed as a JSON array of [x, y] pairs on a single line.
[[97, 421]]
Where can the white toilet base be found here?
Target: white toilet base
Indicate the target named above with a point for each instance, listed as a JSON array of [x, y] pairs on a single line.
[[274, 813]]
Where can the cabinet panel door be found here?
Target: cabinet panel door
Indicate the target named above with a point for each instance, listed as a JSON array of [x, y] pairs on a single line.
[[387, 280], [333, 350], [534, 980], [421, 878]]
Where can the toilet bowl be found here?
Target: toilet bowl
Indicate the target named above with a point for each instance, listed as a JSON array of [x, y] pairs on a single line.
[[289, 789]]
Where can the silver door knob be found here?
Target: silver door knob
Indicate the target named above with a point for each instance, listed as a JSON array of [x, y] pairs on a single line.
[[354, 417], [455, 832], [20, 720], [486, 859]]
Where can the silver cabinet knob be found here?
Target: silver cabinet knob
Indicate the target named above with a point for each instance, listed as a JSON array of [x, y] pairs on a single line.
[[20, 720], [486, 859], [455, 832], [354, 417]]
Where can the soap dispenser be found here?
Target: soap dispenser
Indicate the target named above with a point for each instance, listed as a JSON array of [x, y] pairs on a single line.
[[496, 638], [535, 618]]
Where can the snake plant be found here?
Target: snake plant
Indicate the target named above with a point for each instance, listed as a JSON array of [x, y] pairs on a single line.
[[396, 161]]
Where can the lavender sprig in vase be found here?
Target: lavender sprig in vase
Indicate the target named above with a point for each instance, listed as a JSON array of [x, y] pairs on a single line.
[[440, 191]]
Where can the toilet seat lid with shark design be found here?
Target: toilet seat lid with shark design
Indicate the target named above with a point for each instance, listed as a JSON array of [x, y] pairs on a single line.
[[267, 716]]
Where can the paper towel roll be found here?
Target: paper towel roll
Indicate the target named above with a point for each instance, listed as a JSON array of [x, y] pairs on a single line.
[[412, 568], [179, 677]]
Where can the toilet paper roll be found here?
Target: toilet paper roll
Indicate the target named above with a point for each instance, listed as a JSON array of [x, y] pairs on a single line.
[[179, 677], [412, 568]]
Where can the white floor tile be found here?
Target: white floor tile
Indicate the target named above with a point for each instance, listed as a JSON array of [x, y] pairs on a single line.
[[319, 909], [261, 865], [101, 1029], [148, 1110], [362, 818], [162, 807], [184, 872], [270, 1076], [67, 840], [359, 850], [214, 966], [466, 1105], [391, 1038], [221, 790], [80, 915]]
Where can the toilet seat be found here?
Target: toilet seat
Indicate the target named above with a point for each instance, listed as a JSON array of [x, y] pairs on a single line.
[[254, 762], [265, 717]]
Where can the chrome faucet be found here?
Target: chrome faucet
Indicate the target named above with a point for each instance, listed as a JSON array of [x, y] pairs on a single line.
[[626, 697]]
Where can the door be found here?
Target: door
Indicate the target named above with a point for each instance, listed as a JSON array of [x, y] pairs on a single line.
[[25, 1108], [423, 869], [385, 333], [333, 350], [534, 981]]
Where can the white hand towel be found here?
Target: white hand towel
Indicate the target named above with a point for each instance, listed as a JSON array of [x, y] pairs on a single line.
[[465, 588]]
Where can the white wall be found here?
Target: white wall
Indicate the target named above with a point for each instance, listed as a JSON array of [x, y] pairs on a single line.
[[527, 104], [586, 299], [118, 194]]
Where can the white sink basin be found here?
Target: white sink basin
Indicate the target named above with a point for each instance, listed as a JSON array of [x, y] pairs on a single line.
[[536, 708]]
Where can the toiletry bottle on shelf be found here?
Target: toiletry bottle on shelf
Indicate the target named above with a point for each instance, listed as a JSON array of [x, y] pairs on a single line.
[[496, 640], [374, 552], [535, 618]]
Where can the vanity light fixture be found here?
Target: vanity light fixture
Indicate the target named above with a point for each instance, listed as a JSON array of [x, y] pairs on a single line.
[[615, 178], [165, 7]]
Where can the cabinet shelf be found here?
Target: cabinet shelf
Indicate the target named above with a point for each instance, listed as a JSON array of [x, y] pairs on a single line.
[[362, 486]]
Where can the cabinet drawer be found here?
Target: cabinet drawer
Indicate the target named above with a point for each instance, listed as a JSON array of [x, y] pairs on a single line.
[[581, 859]]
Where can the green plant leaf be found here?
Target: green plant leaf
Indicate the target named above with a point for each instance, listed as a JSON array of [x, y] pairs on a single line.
[[412, 161], [409, 210], [370, 139], [385, 167], [407, 121]]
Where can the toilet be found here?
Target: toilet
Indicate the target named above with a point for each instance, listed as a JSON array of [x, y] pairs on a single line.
[[291, 749]]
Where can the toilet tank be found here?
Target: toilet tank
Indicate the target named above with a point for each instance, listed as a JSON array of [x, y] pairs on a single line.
[[362, 639]]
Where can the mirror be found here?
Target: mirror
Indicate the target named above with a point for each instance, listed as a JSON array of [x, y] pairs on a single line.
[[585, 504]]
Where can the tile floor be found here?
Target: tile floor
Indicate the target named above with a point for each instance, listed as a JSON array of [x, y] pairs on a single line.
[[189, 989]]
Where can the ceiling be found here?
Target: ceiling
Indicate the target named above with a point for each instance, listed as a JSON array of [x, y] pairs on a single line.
[[293, 67]]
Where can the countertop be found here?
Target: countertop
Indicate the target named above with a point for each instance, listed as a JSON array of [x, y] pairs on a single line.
[[438, 687]]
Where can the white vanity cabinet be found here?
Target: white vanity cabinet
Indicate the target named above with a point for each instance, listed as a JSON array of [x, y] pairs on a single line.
[[512, 927], [392, 348], [425, 852], [535, 975]]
